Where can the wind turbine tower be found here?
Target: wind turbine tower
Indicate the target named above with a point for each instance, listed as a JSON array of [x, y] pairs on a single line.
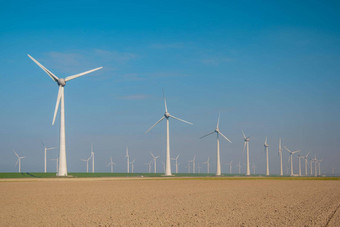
[[266, 146], [92, 155], [154, 162], [62, 170], [132, 165], [218, 133], [239, 168], [176, 162], [127, 160], [306, 163], [166, 116], [111, 164], [87, 163], [280, 154], [47, 149], [291, 160], [246, 146], [208, 165], [18, 161], [300, 172]]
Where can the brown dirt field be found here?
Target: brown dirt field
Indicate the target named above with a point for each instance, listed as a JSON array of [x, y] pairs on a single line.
[[156, 202]]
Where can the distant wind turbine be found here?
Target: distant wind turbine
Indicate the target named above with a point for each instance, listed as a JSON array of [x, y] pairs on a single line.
[[299, 159], [280, 154], [246, 146], [239, 167], [230, 164], [46, 149], [62, 170], [218, 133], [127, 160], [87, 163], [154, 162], [176, 162], [208, 165], [306, 163], [111, 164], [291, 160], [132, 165], [149, 165], [18, 161], [57, 163], [92, 156], [266, 146], [166, 116]]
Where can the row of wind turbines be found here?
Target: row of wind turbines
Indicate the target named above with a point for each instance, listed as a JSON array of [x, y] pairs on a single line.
[[62, 165]]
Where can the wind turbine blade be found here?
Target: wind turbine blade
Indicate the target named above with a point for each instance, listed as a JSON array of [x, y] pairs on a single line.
[[81, 74], [54, 77], [244, 136], [224, 136], [177, 156], [16, 154], [244, 146], [265, 142], [57, 104], [152, 155], [307, 154], [154, 124], [218, 120], [295, 152], [166, 108], [207, 134], [181, 120], [288, 149]]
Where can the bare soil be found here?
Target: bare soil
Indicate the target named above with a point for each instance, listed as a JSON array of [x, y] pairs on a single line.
[[165, 202]]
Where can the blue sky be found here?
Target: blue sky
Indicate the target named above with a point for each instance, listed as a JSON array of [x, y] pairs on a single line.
[[270, 68]]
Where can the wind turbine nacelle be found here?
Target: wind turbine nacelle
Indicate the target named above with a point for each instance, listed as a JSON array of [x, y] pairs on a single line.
[[167, 115], [61, 82]]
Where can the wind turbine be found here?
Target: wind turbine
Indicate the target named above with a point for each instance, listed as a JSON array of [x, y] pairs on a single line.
[[266, 146], [149, 165], [166, 116], [306, 163], [315, 166], [127, 160], [319, 167], [254, 168], [311, 166], [194, 164], [299, 157], [291, 160], [230, 164], [246, 145], [111, 164], [92, 156], [280, 154], [176, 159], [18, 161], [57, 163], [132, 165], [218, 133], [87, 163], [208, 165], [154, 162], [46, 149], [62, 171], [239, 168]]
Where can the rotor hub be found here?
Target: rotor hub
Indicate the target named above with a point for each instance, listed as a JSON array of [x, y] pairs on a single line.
[[167, 115], [61, 82]]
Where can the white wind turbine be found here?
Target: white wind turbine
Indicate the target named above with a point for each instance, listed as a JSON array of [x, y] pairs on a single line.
[[132, 165], [46, 149], [315, 166], [266, 146], [254, 169], [246, 145], [230, 164], [299, 159], [154, 162], [62, 170], [208, 165], [166, 116], [176, 162], [218, 133], [291, 160], [127, 160], [239, 167], [280, 154], [193, 164], [57, 163], [111, 164], [87, 163], [306, 163], [319, 161], [149, 164], [311, 166], [92, 156], [18, 161]]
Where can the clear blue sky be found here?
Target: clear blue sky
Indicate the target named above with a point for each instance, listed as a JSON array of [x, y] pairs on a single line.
[[271, 68]]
